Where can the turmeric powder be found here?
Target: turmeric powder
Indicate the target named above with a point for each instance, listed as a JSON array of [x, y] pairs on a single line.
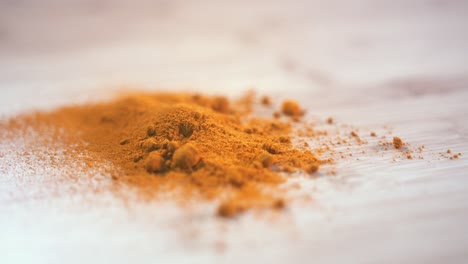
[[397, 142], [197, 145], [291, 108], [190, 146]]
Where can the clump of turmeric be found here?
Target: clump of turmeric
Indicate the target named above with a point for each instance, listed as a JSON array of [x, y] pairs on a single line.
[[266, 100], [198, 145], [397, 142], [291, 108], [186, 157], [154, 163]]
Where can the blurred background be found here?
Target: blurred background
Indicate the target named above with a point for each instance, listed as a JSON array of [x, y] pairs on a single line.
[[78, 48], [392, 66]]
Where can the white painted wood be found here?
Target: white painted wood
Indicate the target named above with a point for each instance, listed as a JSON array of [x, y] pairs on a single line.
[[366, 63]]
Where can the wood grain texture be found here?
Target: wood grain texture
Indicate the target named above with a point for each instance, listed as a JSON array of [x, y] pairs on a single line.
[[396, 66]]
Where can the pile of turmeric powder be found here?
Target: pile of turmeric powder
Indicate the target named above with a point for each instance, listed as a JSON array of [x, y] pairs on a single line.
[[189, 144]]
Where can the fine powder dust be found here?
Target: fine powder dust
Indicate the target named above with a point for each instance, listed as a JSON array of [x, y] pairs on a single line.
[[189, 144]]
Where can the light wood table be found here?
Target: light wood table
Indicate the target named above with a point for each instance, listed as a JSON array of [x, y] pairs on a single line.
[[398, 66]]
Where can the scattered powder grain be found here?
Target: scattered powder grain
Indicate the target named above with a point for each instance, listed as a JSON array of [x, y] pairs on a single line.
[[291, 108], [397, 142], [266, 100]]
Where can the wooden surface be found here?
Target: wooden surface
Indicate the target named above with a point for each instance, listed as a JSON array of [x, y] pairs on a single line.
[[396, 66]]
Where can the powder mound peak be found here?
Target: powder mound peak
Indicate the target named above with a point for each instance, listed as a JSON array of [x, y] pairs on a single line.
[[176, 122]]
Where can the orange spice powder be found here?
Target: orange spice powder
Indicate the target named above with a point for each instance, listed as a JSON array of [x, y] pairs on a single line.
[[189, 144]]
